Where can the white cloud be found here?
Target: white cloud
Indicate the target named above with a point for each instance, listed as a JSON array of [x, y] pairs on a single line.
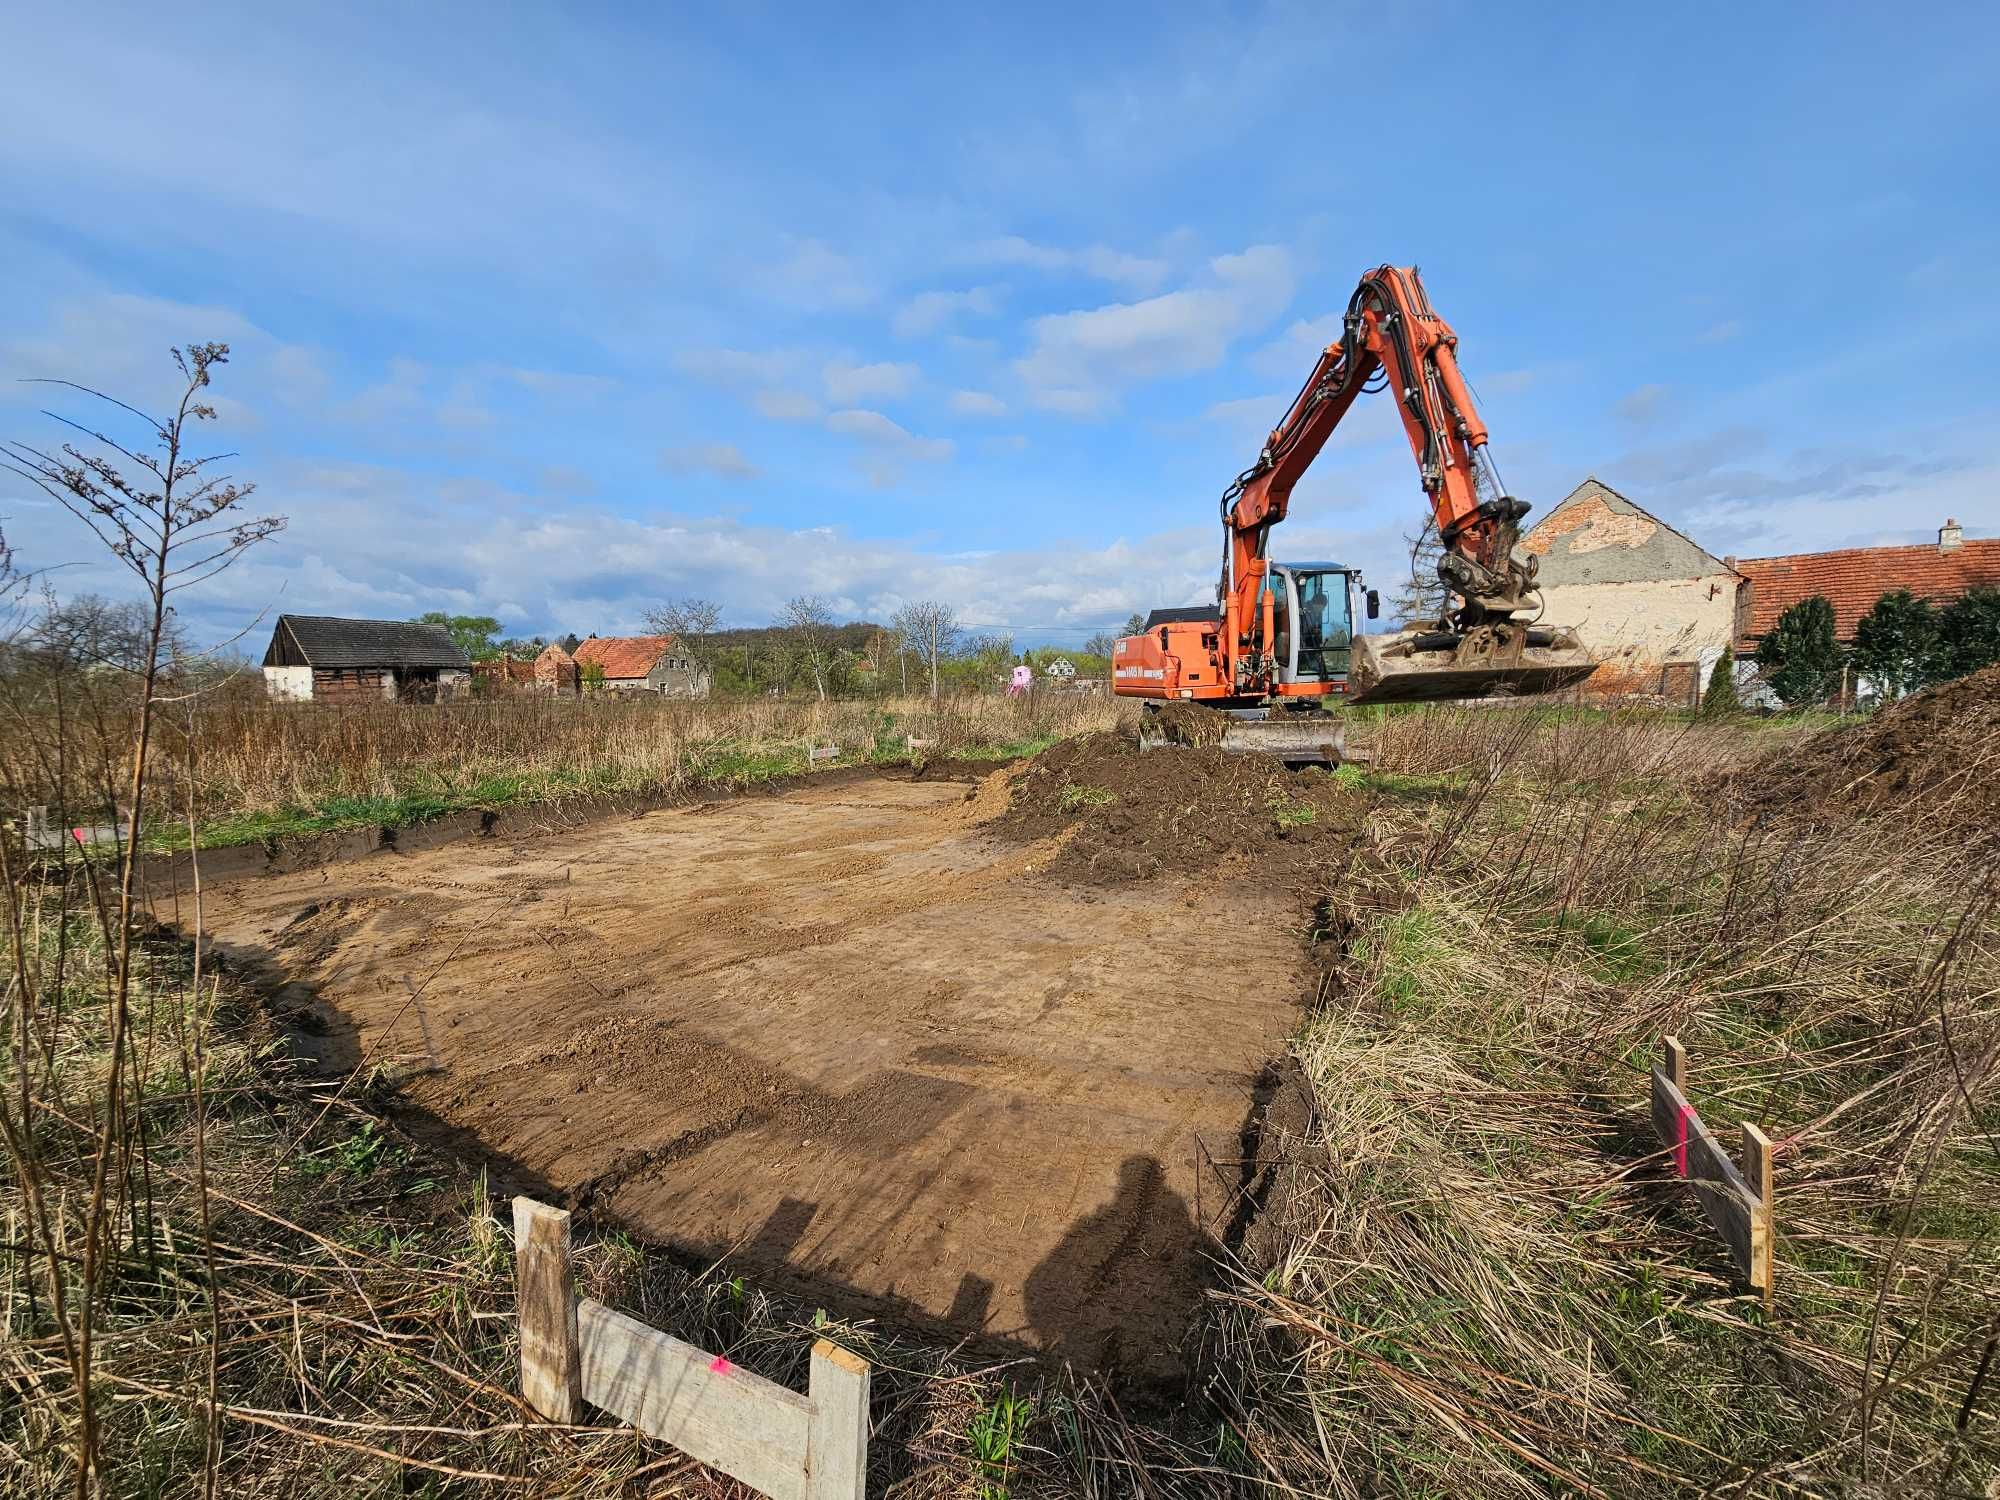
[[1293, 353], [787, 406], [298, 375], [815, 277], [1138, 272], [462, 410], [850, 384], [1249, 416], [399, 397], [978, 404], [725, 460], [1721, 333], [1080, 360], [1372, 419], [873, 427], [927, 312], [738, 366], [1644, 406], [562, 384], [389, 543]]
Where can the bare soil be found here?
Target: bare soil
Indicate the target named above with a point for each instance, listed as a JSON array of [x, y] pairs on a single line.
[[858, 1035], [1189, 811]]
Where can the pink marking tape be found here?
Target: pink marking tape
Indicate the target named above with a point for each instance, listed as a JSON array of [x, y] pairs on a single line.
[[720, 1365]]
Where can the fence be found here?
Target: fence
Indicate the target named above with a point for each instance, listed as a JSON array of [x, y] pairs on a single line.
[[575, 1350], [1737, 1201]]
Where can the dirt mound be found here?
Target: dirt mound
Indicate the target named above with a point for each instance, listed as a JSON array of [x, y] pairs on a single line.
[[1133, 814], [1192, 724], [1937, 751]]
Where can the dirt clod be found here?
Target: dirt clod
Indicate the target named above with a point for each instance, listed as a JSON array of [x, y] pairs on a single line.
[[1133, 814]]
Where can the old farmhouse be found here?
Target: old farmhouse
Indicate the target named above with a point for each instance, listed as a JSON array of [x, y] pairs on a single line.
[[1852, 580], [326, 659], [639, 664], [1653, 606]]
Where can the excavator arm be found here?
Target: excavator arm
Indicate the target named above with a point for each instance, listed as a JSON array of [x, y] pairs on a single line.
[[1391, 330]]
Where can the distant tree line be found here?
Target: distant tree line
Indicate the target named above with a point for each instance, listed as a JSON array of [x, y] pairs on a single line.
[[923, 648], [1902, 644]]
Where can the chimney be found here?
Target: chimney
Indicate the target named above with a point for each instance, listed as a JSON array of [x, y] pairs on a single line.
[[1950, 536]]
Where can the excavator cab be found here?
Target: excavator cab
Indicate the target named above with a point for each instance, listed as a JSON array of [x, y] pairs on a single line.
[[1315, 621]]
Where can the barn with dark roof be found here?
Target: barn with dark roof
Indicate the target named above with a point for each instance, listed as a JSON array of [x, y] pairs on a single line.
[[327, 659]]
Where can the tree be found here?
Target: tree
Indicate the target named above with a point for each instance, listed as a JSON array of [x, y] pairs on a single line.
[[931, 630], [692, 623], [1135, 624], [1968, 635], [874, 655], [1896, 642], [1801, 656], [808, 627], [1423, 596], [472, 634], [1101, 644], [1719, 698], [993, 653], [163, 514], [92, 632]]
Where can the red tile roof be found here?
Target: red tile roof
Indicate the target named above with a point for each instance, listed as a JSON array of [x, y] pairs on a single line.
[[623, 656], [1855, 579]]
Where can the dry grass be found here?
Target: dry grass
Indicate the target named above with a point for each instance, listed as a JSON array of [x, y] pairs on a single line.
[[1489, 1284], [265, 770]]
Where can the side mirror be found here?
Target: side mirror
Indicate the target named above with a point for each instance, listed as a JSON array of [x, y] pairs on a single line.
[[1163, 637], [1374, 604]]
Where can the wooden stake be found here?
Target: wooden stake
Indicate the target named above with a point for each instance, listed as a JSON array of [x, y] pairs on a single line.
[[837, 1448], [1674, 1058], [1756, 1163], [551, 1381]]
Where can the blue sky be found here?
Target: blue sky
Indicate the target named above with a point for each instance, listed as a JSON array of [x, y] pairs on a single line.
[[551, 314]]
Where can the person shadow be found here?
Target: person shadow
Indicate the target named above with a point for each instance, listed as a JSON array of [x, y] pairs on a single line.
[[1119, 1291]]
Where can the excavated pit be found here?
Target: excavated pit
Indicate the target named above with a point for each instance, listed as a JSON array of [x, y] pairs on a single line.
[[917, 1049]]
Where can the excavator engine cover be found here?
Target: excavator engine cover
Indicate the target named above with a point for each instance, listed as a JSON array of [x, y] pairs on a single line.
[[1496, 660]]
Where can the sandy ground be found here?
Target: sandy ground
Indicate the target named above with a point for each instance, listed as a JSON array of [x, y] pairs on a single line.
[[843, 1032]]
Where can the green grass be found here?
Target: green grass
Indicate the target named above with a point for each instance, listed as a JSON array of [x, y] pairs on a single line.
[[1414, 948], [436, 796], [1076, 796], [995, 1434], [1292, 814]]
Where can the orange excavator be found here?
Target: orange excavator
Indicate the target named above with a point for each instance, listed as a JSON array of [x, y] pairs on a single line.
[[1279, 645]]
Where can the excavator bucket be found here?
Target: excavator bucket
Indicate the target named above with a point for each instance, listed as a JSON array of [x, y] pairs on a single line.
[[1491, 661], [1297, 739]]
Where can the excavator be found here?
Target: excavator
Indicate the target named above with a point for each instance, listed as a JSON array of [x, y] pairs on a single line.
[[1278, 649]]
